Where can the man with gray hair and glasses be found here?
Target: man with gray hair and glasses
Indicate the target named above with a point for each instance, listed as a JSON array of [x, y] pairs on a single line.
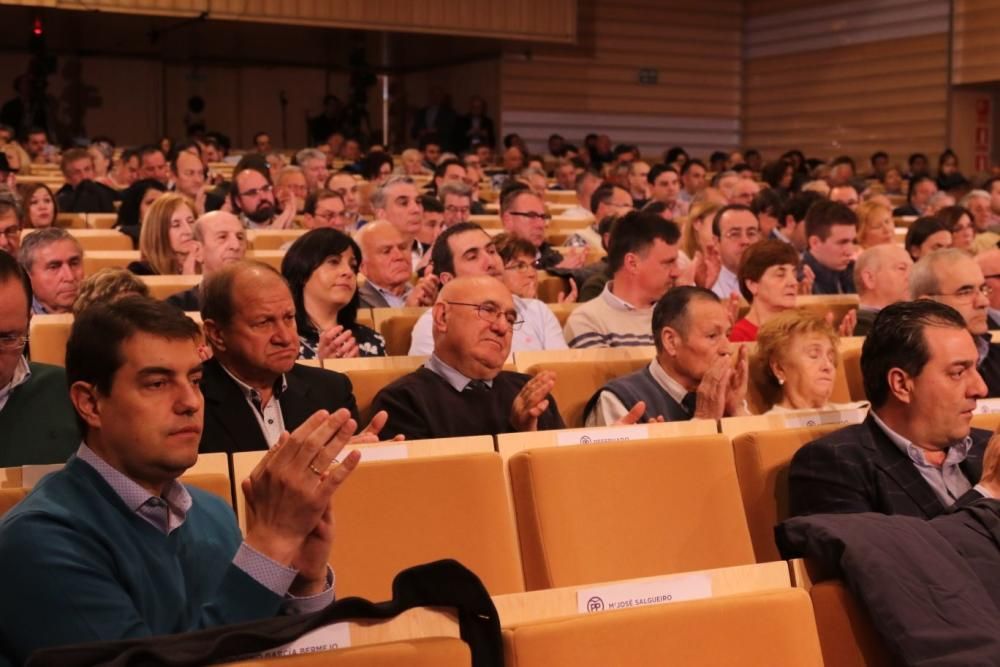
[[953, 277], [37, 420]]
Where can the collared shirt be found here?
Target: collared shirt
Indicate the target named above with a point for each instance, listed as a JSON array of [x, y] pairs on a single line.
[[22, 373], [610, 409], [37, 308], [948, 481], [269, 417], [393, 300], [457, 381], [616, 301], [540, 331], [250, 224], [727, 283], [982, 347], [167, 513]]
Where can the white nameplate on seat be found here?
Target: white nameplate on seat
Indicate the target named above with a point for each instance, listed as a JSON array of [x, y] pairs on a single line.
[[643, 593], [598, 435], [327, 638], [826, 417], [384, 453], [986, 406], [32, 475]]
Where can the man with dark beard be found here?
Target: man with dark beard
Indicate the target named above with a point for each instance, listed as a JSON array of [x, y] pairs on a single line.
[[252, 196]]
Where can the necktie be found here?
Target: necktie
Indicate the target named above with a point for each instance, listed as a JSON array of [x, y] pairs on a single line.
[[476, 386], [690, 402]]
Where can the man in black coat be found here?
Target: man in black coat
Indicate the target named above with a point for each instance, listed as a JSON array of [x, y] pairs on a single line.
[[81, 194], [916, 454], [254, 391]]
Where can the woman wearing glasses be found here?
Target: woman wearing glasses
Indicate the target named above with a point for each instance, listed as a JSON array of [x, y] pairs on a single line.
[[321, 268], [519, 272]]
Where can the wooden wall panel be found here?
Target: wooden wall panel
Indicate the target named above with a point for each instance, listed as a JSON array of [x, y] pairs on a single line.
[[976, 24], [593, 85], [828, 79], [541, 20]]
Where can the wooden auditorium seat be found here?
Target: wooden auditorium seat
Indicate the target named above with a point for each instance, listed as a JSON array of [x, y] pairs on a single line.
[[272, 239], [394, 514], [628, 509], [753, 630], [270, 257], [577, 381], [846, 635], [101, 220], [94, 261], [160, 287], [762, 462], [95, 239], [48, 335], [369, 375], [396, 326], [72, 220], [550, 288], [10, 497], [562, 311], [850, 366]]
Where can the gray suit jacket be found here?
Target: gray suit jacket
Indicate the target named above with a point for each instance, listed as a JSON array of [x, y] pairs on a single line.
[[370, 298]]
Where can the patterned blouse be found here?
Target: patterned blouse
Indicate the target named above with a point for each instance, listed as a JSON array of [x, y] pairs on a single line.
[[370, 342]]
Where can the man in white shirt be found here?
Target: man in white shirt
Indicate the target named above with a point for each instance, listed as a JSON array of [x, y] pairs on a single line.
[[735, 228], [466, 250]]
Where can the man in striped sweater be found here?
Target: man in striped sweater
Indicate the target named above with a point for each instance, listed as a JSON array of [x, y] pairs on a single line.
[[642, 258]]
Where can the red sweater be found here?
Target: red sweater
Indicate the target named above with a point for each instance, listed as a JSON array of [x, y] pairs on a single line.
[[743, 331]]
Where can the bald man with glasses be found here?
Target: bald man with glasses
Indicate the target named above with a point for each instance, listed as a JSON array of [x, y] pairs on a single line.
[[953, 277]]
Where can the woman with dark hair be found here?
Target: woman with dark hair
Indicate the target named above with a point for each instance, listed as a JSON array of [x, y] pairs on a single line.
[[376, 167], [675, 157], [321, 268], [768, 282], [780, 175], [925, 236], [958, 220], [948, 175], [136, 200]]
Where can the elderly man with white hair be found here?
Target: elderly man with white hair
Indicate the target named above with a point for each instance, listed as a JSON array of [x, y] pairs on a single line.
[[313, 164], [882, 277], [989, 262]]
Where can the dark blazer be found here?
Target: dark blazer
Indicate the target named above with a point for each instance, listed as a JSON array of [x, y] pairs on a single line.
[[230, 424], [990, 370], [992, 323], [188, 300], [370, 297], [858, 469], [866, 318]]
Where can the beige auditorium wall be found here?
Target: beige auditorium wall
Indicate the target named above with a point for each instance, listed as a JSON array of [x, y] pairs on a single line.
[[849, 78], [594, 86], [974, 55], [548, 20]]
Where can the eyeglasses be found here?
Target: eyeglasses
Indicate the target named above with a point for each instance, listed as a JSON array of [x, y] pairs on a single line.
[[327, 216], [733, 234], [531, 215], [492, 313], [12, 342], [969, 292], [463, 210], [262, 190], [523, 267], [13, 233]]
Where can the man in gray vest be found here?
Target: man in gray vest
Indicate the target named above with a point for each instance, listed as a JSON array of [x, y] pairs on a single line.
[[693, 376]]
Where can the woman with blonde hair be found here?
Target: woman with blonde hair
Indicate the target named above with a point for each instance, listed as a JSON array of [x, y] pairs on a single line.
[[697, 232], [166, 240], [108, 285], [795, 365], [875, 225]]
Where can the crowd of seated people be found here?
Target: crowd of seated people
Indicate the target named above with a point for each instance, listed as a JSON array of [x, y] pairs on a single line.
[[704, 265]]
